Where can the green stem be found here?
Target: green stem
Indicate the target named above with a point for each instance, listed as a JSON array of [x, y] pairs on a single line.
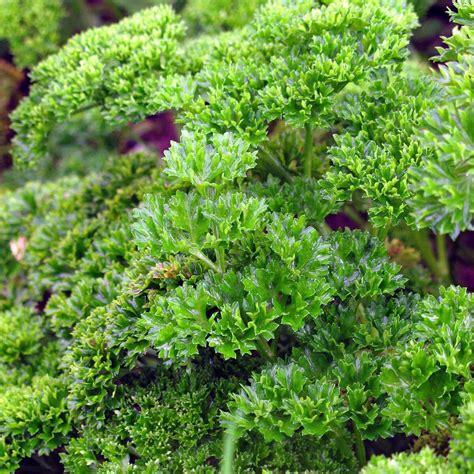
[[308, 150], [324, 229], [274, 345], [443, 263], [381, 232], [230, 443], [423, 244], [45, 466], [220, 259], [265, 350], [205, 260], [219, 252], [360, 313], [148, 361], [276, 167], [359, 446], [355, 216], [343, 444], [220, 256]]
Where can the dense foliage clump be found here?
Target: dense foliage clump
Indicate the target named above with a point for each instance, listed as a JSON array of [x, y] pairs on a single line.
[[32, 28], [196, 311]]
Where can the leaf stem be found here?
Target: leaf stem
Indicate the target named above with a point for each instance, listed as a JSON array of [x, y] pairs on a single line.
[[382, 232], [443, 263], [220, 259], [265, 350], [230, 443], [45, 466], [220, 256], [423, 244], [205, 260], [308, 150], [359, 446], [360, 313], [276, 166], [439, 267], [324, 229], [355, 216]]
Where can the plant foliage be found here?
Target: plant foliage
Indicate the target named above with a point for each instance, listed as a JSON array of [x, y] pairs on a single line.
[[31, 28], [149, 306]]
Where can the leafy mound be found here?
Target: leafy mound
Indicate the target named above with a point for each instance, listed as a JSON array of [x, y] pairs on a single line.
[[154, 305]]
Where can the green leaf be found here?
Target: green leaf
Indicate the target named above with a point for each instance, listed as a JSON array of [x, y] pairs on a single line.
[[209, 162]]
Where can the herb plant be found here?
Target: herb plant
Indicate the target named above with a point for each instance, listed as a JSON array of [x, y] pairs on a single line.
[[196, 312]]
